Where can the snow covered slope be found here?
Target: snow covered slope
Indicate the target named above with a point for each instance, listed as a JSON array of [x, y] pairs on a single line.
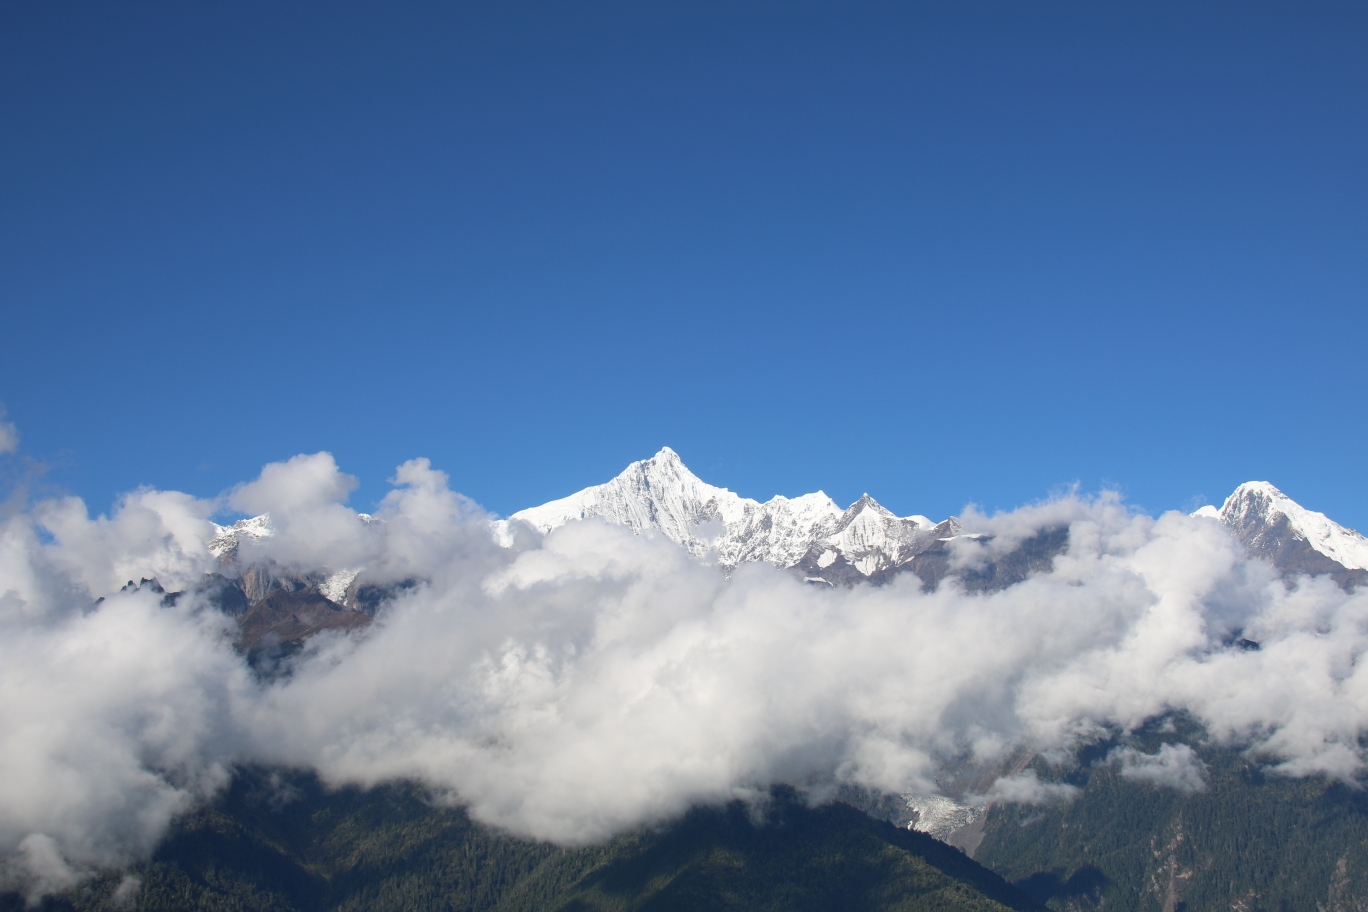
[[1295, 539], [660, 493]]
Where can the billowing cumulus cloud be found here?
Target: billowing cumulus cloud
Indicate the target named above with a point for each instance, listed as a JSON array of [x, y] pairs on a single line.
[[573, 685]]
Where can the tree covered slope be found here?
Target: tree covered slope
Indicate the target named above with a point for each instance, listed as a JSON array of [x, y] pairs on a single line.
[[1247, 840], [278, 842]]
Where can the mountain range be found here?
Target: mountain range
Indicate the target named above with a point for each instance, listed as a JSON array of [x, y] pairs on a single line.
[[1248, 840], [812, 535]]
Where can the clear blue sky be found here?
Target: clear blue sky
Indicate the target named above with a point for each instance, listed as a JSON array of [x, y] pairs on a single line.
[[943, 253]]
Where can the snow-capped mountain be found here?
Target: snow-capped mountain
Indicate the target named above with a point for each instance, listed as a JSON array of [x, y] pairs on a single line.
[[224, 544], [815, 538], [1294, 539], [660, 493]]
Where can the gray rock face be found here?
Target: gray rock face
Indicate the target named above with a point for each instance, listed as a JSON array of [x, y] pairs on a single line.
[[259, 580]]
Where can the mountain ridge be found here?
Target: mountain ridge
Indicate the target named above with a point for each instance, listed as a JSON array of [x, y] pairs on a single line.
[[660, 493], [865, 542]]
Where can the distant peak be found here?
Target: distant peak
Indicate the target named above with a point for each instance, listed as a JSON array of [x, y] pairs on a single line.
[[666, 463], [1259, 496], [1257, 511], [869, 503], [665, 457], [1257, 487], [660, 493], [1255, 497]]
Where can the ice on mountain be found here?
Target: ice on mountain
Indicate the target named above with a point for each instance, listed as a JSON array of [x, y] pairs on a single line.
[[939, 816], [334, 588]]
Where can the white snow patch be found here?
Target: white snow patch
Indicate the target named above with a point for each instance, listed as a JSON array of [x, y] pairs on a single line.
[[334, 588]]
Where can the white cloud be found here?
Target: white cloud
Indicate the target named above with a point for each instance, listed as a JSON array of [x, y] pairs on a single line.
[[115, 720], [570, 687], [1175, 766], [1026, 788], [39, 868], [161, 534]]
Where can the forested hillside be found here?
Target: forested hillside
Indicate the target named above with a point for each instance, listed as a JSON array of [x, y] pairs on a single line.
[[279, 842], [1248, 839]]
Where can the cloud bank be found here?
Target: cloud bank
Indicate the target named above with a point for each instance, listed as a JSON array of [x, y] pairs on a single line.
[[571, 686]]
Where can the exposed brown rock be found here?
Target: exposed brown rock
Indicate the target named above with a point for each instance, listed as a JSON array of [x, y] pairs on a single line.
[[289, 617]]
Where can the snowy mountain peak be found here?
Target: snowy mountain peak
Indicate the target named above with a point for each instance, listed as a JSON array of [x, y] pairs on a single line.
[[868, 503], [1270, 523], [224, 544], [1294, 539], [872, 538], [1261, 488], [661, 494], [657, 493]]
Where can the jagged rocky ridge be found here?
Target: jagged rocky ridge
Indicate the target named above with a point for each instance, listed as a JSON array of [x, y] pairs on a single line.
[[275, 610], [278, 607]]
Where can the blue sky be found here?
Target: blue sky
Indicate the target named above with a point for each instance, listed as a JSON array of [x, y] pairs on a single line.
[[941, 253]]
